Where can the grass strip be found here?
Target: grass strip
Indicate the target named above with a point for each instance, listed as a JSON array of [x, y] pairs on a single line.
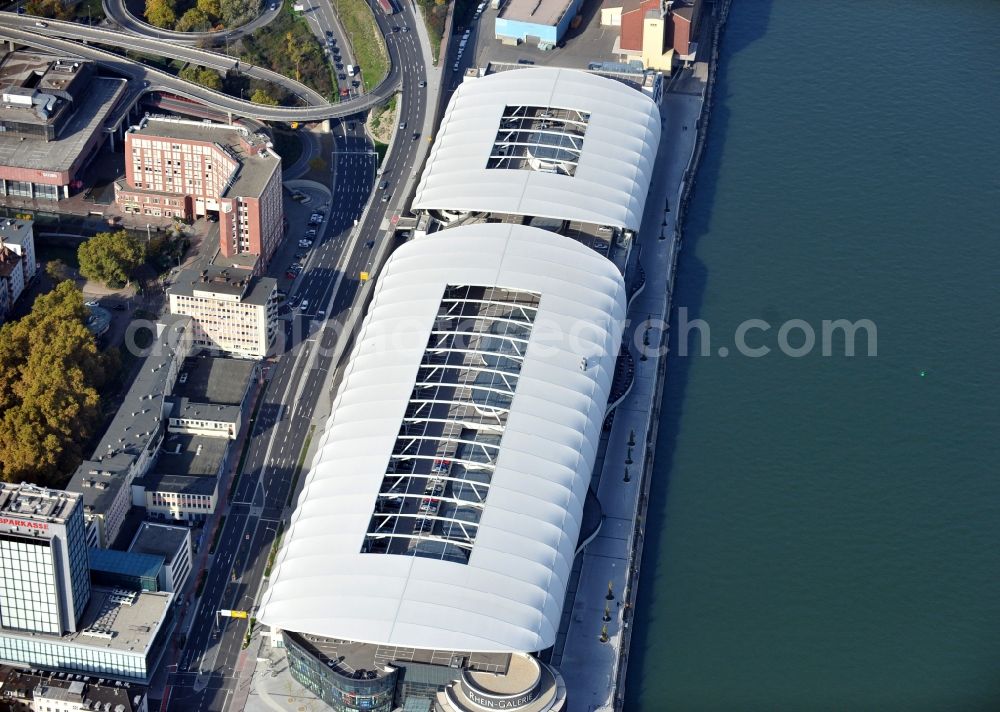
[[298, 466], [275, 546], [367, 42]]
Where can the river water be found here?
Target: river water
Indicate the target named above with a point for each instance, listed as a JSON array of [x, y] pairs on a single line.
[[824, 531]]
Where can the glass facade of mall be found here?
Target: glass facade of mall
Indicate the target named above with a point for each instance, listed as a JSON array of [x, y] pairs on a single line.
[[342, 694]]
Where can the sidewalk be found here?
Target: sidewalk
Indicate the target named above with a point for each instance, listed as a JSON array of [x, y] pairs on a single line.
[[589, 666], [201, 563]]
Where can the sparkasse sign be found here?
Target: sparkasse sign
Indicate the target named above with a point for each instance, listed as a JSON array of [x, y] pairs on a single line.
[[26, 523]]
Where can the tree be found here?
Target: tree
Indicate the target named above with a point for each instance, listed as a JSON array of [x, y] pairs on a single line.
[[50, 371], [211, 8], [237, 12], [110, 257], [162, 13], [57, 270], [194, 20], [202, 75], [260, 96]]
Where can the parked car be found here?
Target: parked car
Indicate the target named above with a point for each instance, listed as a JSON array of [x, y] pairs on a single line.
[[342, 76]]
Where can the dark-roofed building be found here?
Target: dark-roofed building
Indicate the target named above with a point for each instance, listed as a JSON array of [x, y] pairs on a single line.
[[184, 482], [185, 169], [234, 311], [52, 114], [206, 419], [171, 544], [22, 690], [131, 442], [224, 381]]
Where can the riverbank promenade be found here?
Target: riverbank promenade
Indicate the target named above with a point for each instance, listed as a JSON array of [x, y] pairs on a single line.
[[595, 651]]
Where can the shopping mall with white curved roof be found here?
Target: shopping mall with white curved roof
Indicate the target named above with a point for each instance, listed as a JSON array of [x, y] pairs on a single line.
[[562, 149], [428, 560]]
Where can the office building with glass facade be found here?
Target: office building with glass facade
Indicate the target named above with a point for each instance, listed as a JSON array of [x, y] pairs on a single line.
[[44, 574]]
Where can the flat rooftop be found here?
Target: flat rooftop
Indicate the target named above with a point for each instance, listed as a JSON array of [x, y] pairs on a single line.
[[538, 12], [26, 501], [161, 540], [256, 166], [190, 455], [188, 409], [95, 104], [231, 282], [113, 620], [16, 232], [220, 381]]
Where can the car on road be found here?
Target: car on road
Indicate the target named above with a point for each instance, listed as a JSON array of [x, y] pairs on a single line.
[[402, 125], [41, 24], [416, 135], [370, 244], [422, 84], [395, 28], [385, 197], [304, 305], [383, 185], [329, 34]]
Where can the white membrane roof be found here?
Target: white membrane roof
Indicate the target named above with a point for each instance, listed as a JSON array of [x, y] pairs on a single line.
[[509, 595], [611, 180]]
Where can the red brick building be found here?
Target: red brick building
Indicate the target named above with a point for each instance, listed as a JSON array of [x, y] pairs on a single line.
[[176, 168]]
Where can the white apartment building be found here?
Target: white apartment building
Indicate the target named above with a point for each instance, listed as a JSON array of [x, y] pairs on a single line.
[[234, 312]]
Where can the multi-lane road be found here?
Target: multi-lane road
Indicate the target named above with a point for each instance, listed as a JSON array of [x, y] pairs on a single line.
[[203, 675], [71, 38]]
